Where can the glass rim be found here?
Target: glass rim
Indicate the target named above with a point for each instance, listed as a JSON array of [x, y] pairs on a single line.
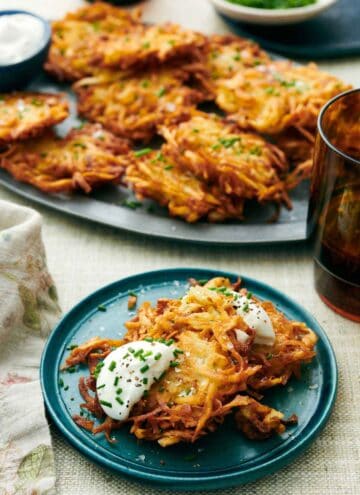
[[322, 132]]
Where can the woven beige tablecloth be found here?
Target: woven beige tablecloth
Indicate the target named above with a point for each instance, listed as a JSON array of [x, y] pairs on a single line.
[[83, 256]]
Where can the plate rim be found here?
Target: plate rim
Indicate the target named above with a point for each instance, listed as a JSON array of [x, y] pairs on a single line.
[[209, 482], [290, 233]]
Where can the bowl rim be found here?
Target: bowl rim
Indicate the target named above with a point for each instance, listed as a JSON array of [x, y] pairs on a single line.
[[47, 35], [275, 13], [322, 132]]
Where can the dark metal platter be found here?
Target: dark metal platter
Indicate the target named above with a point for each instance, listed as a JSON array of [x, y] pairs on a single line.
[[106, 206]]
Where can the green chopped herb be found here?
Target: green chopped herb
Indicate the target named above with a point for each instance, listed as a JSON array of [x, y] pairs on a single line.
[[157, 356], [229, 142], [145, 381], [169, 167], [195, 130], [145, 83], [132, 293], [104, 403], [173, 364], [149, 339], [171, 42], [131, 350], [61, 382], [131, 204], [80, 145], [145, 394], [36, 102], [71, 347], [256, 150], [97, 369], [177, 352], [96, 25], [100, 386], [145, 368], [119, 391], [237, 57], [146, 45], [72, 369], [249, 295], [116, 381], [169, 342], [202, 281], [120, 401], [101, 307], [147, 354], [272, 91], [66, 387], [216, 146], [162, 375], [269, 356], [245, 307], [161, 92], [142, 152]]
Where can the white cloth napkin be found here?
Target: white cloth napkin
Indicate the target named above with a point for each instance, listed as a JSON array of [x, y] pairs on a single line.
[[28, 312]]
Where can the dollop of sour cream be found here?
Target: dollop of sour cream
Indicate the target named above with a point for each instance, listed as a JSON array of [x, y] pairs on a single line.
[[256, 318], [20, 36], [128, 372]]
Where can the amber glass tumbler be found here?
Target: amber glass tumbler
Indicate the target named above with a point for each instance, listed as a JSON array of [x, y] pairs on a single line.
[[334, 209]]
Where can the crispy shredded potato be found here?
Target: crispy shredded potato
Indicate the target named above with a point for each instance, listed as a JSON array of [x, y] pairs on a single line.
[[85, 159], [133, 107], [77, 38], [24, 115], [155, 176], [151, 45], [239, 163], [102, 36], [272, 97], [215, 373]]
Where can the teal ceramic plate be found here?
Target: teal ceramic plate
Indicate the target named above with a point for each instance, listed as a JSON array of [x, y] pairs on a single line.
[[222, 459]]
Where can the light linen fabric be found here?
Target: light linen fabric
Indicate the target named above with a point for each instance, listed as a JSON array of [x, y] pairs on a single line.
[[28, 311]]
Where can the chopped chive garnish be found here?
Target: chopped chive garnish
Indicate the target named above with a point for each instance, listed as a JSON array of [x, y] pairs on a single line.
[[71, 347], [146, 393], [112, 365], [173, 364], [116, 381], [72, 369], [149, 339], [177, 352], [202, 281], [269, 356], [157, 356], [61, 382], [100, 386], [169, 167], [169, 342], [147, 354], [249, 295], [104, 403], [126, 355], [131, 204], [245, 307], [132, 294], [161, 92], [101, 307], [145, 381], [162, 375], [144, 369], [119, 391], [98, 368], [139, 352], [120, 401], [66, 387], [142, 152]]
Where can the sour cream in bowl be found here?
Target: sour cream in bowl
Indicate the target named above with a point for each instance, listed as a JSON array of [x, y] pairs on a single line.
[[24, 43]]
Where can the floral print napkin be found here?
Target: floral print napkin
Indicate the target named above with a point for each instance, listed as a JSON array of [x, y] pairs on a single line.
[[28, 312]]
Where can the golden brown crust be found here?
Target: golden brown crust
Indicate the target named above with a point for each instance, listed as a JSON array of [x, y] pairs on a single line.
[[133, 106], [24, 115], [239, 163], [215, 374], [157, 177], [275, 96], [76, 39], [85, 159]]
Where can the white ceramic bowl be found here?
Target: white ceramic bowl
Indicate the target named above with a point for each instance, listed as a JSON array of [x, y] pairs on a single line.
[[271, 16]]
